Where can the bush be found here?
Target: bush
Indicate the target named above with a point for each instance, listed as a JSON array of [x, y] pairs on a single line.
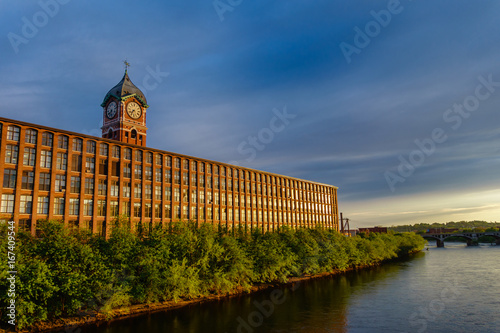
[[64, 273]]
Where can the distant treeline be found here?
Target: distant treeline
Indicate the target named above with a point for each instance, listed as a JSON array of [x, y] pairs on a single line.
[[458, 225], [66, 273]]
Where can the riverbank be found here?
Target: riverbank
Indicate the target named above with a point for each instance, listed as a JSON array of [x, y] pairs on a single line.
[[67, 278], [141, 309]]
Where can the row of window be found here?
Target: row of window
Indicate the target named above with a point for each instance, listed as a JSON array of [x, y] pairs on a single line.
[[186, 212], [13, 133]]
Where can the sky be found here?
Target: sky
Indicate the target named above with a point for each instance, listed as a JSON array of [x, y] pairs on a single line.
[[395, 102]]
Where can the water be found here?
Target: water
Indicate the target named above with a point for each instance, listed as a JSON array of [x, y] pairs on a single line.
[[455, 289]]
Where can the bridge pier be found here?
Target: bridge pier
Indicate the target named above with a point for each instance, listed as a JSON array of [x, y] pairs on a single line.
[[439, 243], [472, 242], [498, 241]]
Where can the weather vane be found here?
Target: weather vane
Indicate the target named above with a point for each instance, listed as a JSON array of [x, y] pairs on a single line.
[[127, 65]]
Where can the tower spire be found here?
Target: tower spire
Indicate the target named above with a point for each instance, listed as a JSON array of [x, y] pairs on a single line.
[[127, 65]]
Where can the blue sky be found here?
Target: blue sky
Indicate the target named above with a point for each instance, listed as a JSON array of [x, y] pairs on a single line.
[[394, 102]]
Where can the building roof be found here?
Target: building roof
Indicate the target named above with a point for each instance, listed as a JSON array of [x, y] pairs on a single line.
[[124, 90]]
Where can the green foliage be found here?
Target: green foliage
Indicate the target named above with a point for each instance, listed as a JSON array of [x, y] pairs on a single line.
[[66, 273]]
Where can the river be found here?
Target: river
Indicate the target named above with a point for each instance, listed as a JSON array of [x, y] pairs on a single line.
[[451, 289]]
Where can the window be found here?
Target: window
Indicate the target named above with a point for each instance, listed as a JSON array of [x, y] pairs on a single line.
[[137, 209], [77, 144], [58, 206], [126, 208], [115, 168], [103, 167], [43, 205], [149, 158], [74, 206], [113, 207], [194, 196], [157, 192], [158, 175], [138, 171], [209, 168], [126, 170], [177, 177], [185, 178], [101, 207], [46, 159], [168, 176], [148, 173], [11, 154], [61, 161], [29, 156], [168, 211], [13, 133], [177, 194], [7, 205], [194, 165], [76, 163], [88, 205], [115, 188], [126, 190], [30, 136], [138, 156], [216, 169], [91, 147], [103, 150], [185, 195], [168, 193], [147, 210], [116, 152], [26, 202], [177, 212], [90, 164], [185, 164], [202, 167], [89, 185], [158, 159], [127, 154], [185, 212], [177, 163], [157, 211], [137, 191], [9, 178], [75, 184], [28, 180], [168, 161], [62, 142], [44, 183], [202, 197], [47, 139], [102, 187], [60, 184], [194, 179]]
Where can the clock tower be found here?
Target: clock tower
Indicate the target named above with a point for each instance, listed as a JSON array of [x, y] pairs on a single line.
[[124, 116]]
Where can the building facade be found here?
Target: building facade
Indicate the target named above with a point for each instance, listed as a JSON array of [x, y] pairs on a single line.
[[87, 181]]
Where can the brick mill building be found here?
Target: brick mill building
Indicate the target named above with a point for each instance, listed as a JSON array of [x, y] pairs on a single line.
[[87, 181]]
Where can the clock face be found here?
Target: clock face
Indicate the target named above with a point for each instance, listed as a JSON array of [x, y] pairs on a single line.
[[134, 110], [111, 110]]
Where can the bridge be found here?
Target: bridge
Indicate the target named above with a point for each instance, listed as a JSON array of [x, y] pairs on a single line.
[[471, 237]]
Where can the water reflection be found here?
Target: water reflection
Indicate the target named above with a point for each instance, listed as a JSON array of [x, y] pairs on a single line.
[[320, 305]]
